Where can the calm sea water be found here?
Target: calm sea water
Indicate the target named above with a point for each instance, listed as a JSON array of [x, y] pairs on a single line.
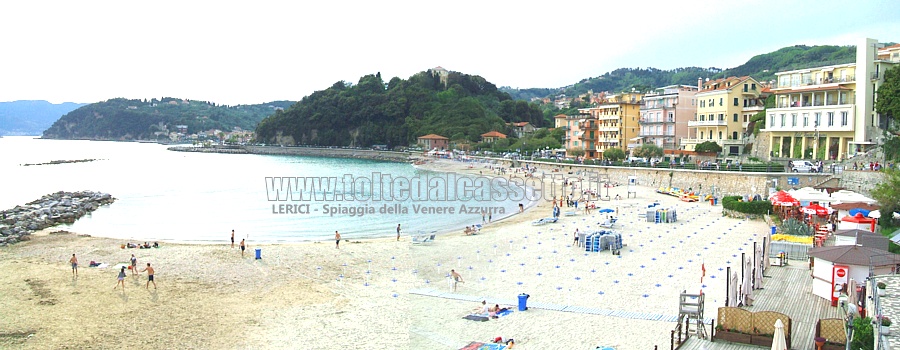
[[200, 197]]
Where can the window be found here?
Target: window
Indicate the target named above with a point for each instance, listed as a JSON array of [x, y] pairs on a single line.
[[752, 86], [793, 119], [736, 100], [692, 102], [735, 117], [576, 143], [720, 135], [702, 117], [782, 119], [701, 135], [721, 117], [745, 89], [772, 119], [703, 104], [830, 118], [805, 119], [721, 101], [712, 102], [844, 116], [818, 120]]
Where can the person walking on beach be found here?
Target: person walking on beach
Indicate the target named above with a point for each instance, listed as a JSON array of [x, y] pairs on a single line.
[[243, 246], [133, 266], [483, 220], [398, 232], [74, 262], [150, 273], [456, 278], [232, 239], [337, 240], [576, 238], [121, 279]]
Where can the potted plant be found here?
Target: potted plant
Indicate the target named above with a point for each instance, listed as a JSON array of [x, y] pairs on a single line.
[[885, 325], [881, 286]]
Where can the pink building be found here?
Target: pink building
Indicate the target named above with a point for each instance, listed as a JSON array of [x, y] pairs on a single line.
[[665, 115]]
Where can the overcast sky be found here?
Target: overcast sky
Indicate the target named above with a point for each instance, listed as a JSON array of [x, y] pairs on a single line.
[[258, 51]]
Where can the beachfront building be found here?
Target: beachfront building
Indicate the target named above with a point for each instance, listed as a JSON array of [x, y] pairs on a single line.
[[521, 128], [581, 131], [609, 125], [490, 137], [829, 112], [723, 109], [432, 141], [559, 121], [665, 114]]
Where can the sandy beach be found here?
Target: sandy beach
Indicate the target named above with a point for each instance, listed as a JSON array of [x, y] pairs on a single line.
[[377, 293]]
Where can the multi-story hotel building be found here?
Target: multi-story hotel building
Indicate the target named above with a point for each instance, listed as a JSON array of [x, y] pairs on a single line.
[[829, 112], [723, 110], [664, 116], [606, 126]]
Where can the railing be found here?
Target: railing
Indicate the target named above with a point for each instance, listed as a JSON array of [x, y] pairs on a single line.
[[653, 133], [838, 80], [875, 75], [707, 123], [807, 104], [653, 120]]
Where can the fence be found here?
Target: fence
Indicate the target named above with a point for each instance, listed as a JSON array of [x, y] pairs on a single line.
[[795, 251]]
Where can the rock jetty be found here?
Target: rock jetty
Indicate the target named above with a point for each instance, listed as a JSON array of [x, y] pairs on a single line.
[[50, 210]]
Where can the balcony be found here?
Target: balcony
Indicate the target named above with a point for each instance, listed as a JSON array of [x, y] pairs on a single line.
[[756, 108], [707, 123], [798, 104], [821, 81], [657, 134], [607, 140], [608, 117], [608, 128], [656, 121]]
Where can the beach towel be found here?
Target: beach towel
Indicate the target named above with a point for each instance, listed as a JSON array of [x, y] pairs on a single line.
[[504, 312], [477, 318], [483, 346]]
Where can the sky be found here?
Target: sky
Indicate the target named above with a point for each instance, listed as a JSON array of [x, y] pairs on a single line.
[[251, 52]]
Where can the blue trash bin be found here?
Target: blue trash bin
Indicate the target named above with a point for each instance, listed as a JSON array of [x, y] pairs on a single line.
[[773, 230], [258, 253], [523, 302]]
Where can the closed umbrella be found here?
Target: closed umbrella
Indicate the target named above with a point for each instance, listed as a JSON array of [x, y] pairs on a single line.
[[778, 342], [733, 290], [758, 269], [747, 285]]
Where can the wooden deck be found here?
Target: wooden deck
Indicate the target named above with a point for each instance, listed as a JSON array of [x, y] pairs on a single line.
[[787, 290]]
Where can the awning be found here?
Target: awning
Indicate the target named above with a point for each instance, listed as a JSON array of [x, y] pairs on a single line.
[[896, 237]]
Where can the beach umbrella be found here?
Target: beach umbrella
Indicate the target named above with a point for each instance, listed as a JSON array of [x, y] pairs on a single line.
[[862, 211], [758, 269], [815, 209], [747, 287], [784, 199], [778, 341], [875, 214], [733, 290]]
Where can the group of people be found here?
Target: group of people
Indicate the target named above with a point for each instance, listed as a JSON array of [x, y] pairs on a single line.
[[243, 243], [470, 230], [121, 276], [490, 311]]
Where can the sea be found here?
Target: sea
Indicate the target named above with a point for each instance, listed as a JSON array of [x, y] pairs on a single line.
[[192, 197]]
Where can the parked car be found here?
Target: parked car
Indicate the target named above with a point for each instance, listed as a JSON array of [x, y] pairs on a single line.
[[805, 166]]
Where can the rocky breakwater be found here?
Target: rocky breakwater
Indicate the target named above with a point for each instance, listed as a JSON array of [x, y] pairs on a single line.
[[50, 210]]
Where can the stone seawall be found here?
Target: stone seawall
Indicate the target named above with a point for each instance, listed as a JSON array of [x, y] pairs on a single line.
[[303, 151], [702, 181], [862, 181]]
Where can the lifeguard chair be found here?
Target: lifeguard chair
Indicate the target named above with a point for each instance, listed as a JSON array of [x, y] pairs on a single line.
[[690, 314]]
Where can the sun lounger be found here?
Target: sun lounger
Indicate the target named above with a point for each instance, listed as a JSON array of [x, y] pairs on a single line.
[[420, 239], [544, 221], [608, 223]]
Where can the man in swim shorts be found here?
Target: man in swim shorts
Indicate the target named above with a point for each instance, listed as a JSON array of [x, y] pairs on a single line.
[[243, 246], [150, 273], [74, 262]]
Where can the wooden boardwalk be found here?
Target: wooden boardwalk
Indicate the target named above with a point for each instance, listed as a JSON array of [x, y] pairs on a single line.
[[787, 290]]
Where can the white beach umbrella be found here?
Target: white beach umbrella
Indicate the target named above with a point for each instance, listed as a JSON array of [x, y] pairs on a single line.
[[875, 214], [733, 290], [746, 289], [758, 269], [778, 342]]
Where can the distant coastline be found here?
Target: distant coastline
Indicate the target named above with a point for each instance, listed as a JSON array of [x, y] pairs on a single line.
[[390, 156]]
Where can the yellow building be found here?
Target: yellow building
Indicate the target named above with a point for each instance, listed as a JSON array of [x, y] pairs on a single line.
[[723, 110], [610, 125], [828, 112]]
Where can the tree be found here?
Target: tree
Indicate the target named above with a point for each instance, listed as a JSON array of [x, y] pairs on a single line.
[[575, 152], [888, 102], [888, 192], [614, 154], [648, 150], [708, 147]]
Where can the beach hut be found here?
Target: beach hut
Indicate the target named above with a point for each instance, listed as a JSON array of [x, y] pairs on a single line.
[[837, 265], [857, 221], [863, 238]]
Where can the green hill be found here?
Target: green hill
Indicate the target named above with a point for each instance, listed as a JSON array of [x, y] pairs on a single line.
[[395, 113], [761, 67], [124, 119]]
